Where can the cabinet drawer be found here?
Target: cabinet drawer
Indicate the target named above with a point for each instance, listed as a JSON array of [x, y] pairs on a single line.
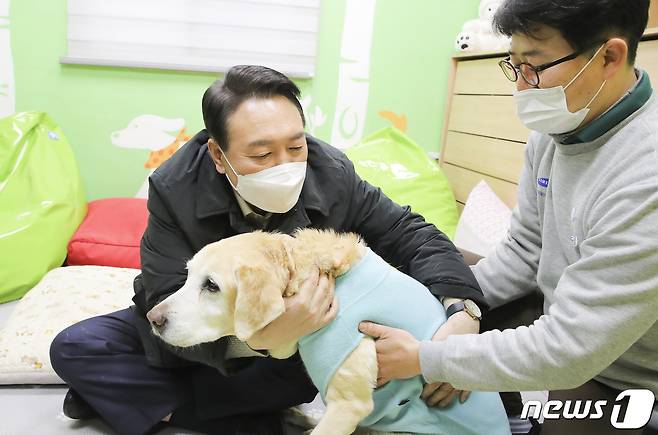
[[647, 59], [495, 157], [482, 77], [463, 181], [491, 116]]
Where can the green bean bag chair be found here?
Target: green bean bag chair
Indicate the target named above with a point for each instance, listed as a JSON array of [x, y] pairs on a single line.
[[42, 200], [393, 162]]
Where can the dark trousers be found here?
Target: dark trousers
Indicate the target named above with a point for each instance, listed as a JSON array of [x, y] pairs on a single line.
[[103, 360], [524, 312]]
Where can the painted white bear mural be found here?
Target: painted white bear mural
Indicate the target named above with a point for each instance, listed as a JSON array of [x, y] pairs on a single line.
[[152, 132], [7, 92]]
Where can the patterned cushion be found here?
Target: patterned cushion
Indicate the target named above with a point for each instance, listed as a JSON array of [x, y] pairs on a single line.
[[484, 222], [63, 297]]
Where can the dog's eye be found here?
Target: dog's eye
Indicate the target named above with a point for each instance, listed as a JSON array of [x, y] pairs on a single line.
[[210, 286]]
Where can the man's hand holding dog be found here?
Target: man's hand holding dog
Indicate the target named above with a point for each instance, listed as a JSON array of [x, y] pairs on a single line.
[[312, 308], [398, 355], [397, 352]]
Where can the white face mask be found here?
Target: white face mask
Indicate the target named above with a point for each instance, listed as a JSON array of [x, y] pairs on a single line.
[[275, 189], [547, 111]]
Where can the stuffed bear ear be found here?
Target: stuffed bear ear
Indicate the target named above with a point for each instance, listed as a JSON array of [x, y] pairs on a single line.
[[259, 299]]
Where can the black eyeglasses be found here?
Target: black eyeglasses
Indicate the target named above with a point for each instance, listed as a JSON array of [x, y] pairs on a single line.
[[529, 72]]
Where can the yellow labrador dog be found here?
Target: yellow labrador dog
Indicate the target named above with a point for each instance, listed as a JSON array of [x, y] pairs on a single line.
[[237, 286]]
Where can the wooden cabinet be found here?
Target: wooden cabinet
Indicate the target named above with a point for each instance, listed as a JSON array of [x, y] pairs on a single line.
[[483, 138], [653, 15]]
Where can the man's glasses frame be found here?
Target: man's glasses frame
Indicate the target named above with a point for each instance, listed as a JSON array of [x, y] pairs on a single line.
[[530, 73]]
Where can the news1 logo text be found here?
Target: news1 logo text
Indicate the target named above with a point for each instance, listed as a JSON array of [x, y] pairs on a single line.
[[631, 409]]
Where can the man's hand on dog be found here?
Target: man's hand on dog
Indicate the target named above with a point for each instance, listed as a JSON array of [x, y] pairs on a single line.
[[398, 358], [312, 308], [397, 352]]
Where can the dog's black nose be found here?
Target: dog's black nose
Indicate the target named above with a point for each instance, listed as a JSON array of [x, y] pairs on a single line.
[[157, 319]]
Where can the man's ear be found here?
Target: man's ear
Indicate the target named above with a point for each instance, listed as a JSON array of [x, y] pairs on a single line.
[[259, 300], [616, 56], [216, 155]]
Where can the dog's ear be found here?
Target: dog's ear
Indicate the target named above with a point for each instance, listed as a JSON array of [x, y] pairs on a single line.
[[259, 299], [282, 252]]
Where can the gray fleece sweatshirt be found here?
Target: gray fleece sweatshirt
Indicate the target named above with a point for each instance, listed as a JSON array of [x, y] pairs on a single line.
[[585, 234]]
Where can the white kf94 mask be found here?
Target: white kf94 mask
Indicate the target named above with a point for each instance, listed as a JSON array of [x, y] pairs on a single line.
[[275, 189], [546, 110]]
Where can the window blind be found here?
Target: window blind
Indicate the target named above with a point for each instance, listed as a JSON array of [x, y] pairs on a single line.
[[194, 35]]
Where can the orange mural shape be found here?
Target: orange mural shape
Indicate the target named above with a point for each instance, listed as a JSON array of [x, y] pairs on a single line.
[[157, 158], [398, 121]]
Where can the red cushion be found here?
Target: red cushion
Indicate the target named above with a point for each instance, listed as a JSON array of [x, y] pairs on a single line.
[[110, 234]]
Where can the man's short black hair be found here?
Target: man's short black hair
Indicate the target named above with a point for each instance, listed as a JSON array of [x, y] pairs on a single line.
[[242, 82], [583, 23]]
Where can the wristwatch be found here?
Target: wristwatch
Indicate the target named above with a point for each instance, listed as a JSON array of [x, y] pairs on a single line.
[[466, 305]]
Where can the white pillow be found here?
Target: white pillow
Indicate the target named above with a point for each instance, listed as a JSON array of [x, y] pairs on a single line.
[[484, 221], [64, 296]]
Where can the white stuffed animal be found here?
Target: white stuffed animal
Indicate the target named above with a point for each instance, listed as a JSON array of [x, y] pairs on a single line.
[[469, 41], [478, 34], [476, 26], [488, 9]]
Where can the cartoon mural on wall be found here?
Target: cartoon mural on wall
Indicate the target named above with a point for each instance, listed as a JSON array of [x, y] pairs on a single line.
[[7, 90], [353, 74], [315, 117], [398, 121], [152, 132]]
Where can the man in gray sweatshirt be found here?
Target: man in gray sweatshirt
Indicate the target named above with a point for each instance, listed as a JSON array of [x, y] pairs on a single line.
[[585, 231]]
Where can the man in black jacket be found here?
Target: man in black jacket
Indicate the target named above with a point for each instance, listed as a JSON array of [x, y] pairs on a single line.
[[252, 168]]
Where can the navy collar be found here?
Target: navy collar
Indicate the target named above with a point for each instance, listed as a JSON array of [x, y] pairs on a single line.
[[635, 99]]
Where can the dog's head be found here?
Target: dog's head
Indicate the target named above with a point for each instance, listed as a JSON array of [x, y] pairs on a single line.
[[234, 287], [148, 132]]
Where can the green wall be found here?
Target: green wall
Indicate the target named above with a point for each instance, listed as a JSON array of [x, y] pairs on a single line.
[[411, 54], [410, 57]]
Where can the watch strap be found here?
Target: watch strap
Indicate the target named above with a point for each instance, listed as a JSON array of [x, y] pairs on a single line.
[[455, 308]]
